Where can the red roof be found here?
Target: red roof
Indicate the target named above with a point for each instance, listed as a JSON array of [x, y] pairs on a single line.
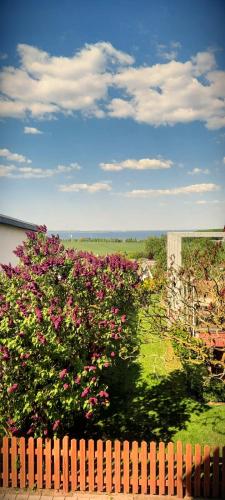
[[213, 339]]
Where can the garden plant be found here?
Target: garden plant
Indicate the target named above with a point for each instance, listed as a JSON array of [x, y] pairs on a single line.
[[65, 318]]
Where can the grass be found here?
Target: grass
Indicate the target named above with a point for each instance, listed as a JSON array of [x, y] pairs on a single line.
[[129, 248], [200, 422]]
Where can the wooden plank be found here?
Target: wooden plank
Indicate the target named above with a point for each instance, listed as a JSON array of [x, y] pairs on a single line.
[[82, 465], [134, 456], [144, 471], [14, 461], [180, 493], [206, 461], [48, 463], [73, 448], [5, 462], [65, 455], [117, 479], [223, 473], [197, 473], [57, 459], [152, 458], [91, 465], [126, 467], [170, 454], [99, 465], [39, 462], [108, 476], [31, 462], [215, 481], [22, 452], [162, 485], [188, 470]]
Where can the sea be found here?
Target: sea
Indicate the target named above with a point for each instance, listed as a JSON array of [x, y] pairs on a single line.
[[122, 235]]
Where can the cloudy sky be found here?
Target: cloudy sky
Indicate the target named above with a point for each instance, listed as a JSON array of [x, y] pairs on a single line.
[[112, 113]]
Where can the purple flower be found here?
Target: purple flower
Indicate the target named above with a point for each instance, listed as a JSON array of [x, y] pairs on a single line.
[[12, 388], [112, 354], [93, 401], [38, 314], [103, 394], [63, 373], [77, 380], [56, 425], [89, 415], [85, 392], [66, 386]]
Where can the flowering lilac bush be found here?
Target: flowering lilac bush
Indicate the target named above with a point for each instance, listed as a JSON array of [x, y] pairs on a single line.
[[65, 317]]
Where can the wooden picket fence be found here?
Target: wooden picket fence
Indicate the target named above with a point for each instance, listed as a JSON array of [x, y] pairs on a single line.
[[113, 467]]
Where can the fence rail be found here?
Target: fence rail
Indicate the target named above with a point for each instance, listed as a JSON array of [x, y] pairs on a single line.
[[113, 467]]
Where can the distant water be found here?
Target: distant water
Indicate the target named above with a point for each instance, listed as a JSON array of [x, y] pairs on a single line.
[[122, 235]]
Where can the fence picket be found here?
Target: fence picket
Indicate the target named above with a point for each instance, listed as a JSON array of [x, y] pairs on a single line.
[[144, 471], [117, 466], [108, 477], [39, 463], [48, 463], [215, 490], [73, 448], [170, 469], [152, 457], [91, 464], [5, 462], [57, 458], [14, 461], [188, 473], [65, 451], [223, 473], [100, 465], [161, 455], [126, 467], [134, 467], [31, 462], [82, 465], [206, 471], [197, 474], [22, 455], [179, 470]]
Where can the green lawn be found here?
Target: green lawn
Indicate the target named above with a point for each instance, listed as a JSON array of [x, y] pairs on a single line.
[[193, 422], [107, 247]]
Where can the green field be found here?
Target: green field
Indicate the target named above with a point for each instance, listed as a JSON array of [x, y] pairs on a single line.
[[149, 400], [129, 248], [191, 422]]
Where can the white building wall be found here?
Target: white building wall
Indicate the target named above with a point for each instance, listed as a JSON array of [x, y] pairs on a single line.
[[10, 238]]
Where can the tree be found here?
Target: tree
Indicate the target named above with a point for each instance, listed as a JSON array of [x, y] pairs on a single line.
[[65, 317]]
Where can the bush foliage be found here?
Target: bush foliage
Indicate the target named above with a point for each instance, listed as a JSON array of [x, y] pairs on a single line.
[[65, 317]]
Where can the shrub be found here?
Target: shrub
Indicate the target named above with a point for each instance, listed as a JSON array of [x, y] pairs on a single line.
[[65, 317]]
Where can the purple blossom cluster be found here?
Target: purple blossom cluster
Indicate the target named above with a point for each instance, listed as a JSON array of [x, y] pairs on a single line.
[[66, 312]]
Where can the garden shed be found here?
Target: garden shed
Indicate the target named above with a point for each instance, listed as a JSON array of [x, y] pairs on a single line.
[[12, 233]]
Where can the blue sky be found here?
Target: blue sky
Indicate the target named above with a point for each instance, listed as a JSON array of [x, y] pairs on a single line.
[[112, 114]]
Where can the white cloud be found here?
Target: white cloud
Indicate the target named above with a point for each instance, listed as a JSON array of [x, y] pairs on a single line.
[[5, 153], [161, 94], [89, 188], [45, 84], [32, 130], [224, 160], [15, 172], [68, 168], [142, 164], [196, 171], [207, 202], [169, 51], [192, 189]]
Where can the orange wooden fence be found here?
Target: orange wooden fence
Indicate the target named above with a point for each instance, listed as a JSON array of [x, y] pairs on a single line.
[[113, 467]]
